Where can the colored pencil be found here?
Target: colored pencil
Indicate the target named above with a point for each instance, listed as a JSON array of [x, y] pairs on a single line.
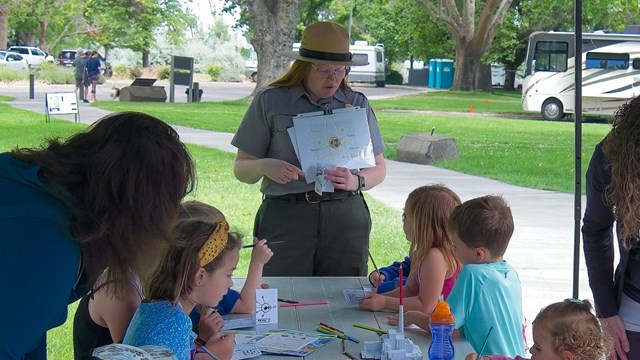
[[329, 332], [305, 303], [378, 330], [268, 243], [484, 344], [288, 301], [373, 262], [331, 328]]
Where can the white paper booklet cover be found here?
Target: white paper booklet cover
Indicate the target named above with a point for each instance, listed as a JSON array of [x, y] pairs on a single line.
[[340, 139]]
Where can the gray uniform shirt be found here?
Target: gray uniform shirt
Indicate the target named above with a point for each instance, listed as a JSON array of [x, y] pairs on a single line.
[[79, 63], [263, 130]]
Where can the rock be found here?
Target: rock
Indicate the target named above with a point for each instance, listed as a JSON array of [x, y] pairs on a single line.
[[424, 148]]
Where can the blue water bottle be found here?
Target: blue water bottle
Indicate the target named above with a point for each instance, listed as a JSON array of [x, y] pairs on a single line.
[[442, 323]]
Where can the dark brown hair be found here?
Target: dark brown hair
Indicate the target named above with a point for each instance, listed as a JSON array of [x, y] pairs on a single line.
[[429, 208], [297, 73], [622, 148], [124, 178], [174, 276], [571, 326], [483, 222]]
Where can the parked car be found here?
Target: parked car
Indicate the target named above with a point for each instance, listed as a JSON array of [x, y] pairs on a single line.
[[32, 54], [13, 61], [67, 56]]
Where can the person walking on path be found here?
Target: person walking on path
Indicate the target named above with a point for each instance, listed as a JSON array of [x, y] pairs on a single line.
[[93, 72], [325, 234], [613, 195], [79, 69]]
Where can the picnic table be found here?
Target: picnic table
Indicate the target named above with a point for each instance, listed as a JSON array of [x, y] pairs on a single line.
[[336, 313]]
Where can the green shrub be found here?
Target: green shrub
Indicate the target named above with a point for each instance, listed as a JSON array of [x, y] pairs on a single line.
[[214, 71], [135, 73], [163, 72], [54, 74], [393, 77], [8, 75], [121, 70]]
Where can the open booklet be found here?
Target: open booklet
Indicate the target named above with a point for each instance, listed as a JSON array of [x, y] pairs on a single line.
[[284, 342]]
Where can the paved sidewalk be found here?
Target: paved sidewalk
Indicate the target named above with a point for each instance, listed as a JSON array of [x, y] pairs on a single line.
[[541, 248]]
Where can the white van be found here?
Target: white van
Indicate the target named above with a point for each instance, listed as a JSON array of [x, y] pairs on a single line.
[[372, 73]]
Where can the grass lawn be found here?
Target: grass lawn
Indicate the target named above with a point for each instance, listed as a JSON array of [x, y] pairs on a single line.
[[535, 154], [531, 153], [498, 101]]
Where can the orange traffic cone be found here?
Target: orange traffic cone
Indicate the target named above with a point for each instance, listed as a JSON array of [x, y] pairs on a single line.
[[470, 108]]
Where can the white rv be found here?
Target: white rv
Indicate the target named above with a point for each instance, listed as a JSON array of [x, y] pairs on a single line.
[[610, 73], [372, 73], [251, 64]]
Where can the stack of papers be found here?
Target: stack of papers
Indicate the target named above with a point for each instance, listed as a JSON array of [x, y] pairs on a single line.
[[326, 141]]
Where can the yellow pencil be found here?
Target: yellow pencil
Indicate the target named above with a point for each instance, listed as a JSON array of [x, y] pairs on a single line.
[[373, 262], [329, 332], [378, 330]]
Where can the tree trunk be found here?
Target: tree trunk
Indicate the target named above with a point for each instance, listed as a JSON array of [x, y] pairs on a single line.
[[42, 36], [472, 30], [4, 25], [145, 58], [483, 77], [274, 24], [509, 76], [466, 66]]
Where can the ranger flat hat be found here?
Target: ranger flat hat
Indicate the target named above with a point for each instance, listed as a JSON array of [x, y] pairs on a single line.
[[326, 42]]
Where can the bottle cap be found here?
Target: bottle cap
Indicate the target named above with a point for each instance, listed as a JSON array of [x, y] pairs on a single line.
[[442, 314]]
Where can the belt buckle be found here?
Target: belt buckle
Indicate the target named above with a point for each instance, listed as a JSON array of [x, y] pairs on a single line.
[[306, 197]]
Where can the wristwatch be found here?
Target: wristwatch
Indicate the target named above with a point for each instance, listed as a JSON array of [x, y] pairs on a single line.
[[361, 183]]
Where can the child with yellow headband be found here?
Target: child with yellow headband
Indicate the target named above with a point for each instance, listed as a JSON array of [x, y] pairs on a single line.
[[195, 270]]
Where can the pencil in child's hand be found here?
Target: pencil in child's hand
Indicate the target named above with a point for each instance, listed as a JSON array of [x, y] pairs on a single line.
[[373, 262], [268, 243]]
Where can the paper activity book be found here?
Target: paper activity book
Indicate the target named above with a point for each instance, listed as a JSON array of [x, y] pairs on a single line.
[[340, 138], [284, 342]]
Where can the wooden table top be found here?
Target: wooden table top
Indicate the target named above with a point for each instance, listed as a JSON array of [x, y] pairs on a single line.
[[336, 313]]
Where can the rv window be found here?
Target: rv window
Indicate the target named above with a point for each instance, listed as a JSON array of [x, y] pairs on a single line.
[[379, 58], [551, 56], [636, 64], [609, 61]]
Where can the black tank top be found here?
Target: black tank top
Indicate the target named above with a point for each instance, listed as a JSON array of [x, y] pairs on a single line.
[[87, 335]]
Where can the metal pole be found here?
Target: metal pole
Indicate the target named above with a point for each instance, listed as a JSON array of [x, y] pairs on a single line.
[[350, 18], [578, 148], [196, 92], [32, 82]]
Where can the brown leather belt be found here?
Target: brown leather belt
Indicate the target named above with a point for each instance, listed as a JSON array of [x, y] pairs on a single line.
[[312, 197]]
